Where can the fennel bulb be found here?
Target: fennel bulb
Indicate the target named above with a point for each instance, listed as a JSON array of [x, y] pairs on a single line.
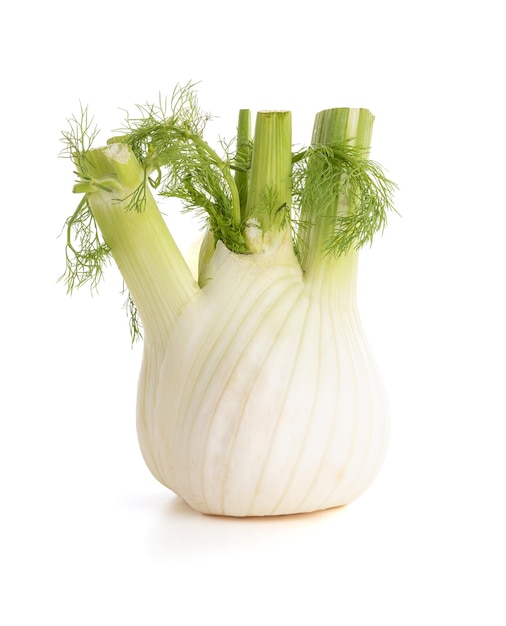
[[258, 394]]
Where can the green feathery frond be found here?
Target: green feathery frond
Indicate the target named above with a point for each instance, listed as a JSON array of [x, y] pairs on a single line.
[[337, 183], [168, 141]]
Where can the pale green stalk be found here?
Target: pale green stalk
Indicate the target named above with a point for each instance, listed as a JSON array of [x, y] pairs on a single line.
[[333, 127], [155, 272], [269, 196], [243, 157]]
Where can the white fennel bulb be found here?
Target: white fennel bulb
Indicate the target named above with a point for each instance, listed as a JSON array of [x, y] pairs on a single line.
[[273, 404], [258, 394]]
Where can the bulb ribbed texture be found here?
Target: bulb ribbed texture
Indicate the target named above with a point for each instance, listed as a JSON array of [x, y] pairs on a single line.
[[268, 401]]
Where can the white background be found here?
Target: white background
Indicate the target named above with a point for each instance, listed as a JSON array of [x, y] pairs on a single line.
[[87, 536]]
